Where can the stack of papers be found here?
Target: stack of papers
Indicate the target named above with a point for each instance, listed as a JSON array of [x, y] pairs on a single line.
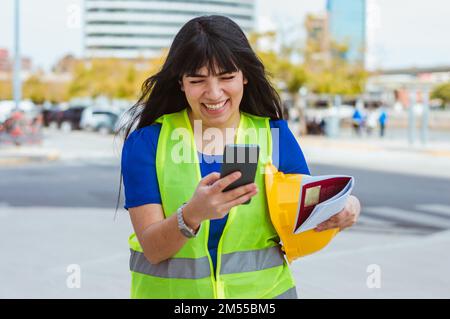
[[321, 197]]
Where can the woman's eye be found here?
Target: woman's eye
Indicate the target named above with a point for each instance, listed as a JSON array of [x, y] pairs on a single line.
[[228, 78], [196, 82]]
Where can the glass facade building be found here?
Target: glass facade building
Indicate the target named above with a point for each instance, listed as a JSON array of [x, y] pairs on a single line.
[[347, 24], [142, 28]]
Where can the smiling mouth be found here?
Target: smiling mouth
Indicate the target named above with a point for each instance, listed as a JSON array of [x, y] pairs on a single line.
[[215, 107]]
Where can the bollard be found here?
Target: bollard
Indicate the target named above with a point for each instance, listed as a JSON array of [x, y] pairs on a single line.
[[425, 117], [332, 122], [411, 118]]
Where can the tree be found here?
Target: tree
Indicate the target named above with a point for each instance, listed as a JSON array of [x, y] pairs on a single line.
[[285, 74], [112, 77], [6, 89], [35, 89], [332, 74], [442, 92]]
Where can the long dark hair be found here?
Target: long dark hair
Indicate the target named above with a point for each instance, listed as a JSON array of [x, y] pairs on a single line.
[[214, 42]]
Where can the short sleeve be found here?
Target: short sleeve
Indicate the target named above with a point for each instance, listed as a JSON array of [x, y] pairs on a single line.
[[286, 152], [138, 167]]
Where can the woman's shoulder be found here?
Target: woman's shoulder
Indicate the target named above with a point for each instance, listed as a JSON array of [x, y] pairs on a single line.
[[143, 138], [144, 133], [282, 124]]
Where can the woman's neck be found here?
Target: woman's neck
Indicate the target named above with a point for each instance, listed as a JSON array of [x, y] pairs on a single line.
[[233, 122], [214, 145]]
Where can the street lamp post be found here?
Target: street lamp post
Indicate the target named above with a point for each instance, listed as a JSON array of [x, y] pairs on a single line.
[[17, 58]]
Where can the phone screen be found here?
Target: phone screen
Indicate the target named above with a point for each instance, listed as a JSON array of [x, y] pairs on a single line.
[[243, 158]]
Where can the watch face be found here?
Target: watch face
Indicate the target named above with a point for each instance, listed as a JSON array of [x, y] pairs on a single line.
[[186, 233]]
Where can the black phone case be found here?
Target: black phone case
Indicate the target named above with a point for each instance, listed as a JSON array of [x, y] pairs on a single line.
[[243, 158]]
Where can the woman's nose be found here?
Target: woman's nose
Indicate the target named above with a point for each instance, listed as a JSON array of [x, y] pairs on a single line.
[[213, 90]]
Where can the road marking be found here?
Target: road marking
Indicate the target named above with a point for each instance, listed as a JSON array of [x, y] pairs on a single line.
[[367, 219], [409, 216], [435, 208], [367, 224]]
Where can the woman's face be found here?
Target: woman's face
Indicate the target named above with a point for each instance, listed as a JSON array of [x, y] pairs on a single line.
[[213, 99]]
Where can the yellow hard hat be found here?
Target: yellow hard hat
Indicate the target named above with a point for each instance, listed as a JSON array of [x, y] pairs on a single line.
[[282, 191]]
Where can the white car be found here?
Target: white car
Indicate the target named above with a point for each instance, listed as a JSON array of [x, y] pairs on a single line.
[[100, 120]]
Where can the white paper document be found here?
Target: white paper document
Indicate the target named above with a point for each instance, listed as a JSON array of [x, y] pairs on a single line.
[[320, 198]]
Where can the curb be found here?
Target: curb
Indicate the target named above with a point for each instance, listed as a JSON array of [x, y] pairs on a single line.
[[348, 145], [15, 160]]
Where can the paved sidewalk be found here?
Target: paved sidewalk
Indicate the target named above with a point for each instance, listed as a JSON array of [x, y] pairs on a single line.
[[54, 238], [58, 145], [409, 267], [40, 243], [386, 155]]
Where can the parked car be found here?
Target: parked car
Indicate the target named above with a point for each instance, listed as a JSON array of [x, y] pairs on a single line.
[[50, 115], [98, 120], [67, 120]]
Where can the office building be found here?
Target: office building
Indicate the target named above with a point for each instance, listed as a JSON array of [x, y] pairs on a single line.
[[143, 28]]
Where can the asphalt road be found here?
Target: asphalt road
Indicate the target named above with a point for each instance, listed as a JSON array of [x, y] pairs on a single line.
[[391, 202]]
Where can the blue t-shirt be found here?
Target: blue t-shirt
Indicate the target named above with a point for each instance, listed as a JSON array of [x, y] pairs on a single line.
[[141, 183]]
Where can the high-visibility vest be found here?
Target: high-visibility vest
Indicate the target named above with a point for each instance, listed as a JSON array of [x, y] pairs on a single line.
[[250, 263]]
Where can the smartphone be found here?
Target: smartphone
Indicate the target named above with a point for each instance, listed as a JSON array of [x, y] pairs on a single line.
[[242, 158]]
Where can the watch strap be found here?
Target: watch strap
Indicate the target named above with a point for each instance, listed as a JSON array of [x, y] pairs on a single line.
[[185, 229]]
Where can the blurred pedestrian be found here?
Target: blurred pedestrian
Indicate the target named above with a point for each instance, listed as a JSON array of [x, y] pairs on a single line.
[[382, 119], [357, 120]]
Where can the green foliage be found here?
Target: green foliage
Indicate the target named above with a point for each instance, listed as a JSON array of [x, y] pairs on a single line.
[[112, 78], [322, 72], [283, 73], [332, 74], [34, 89], [6, 89], [442, 92]]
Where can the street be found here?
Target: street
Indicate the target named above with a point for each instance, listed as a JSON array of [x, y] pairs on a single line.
[[59, 213], [391, 202]]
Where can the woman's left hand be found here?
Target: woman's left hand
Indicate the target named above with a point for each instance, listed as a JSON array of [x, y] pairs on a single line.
[[345, 218]]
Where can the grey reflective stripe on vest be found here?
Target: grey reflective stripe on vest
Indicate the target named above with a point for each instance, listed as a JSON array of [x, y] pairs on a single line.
[[288, 294], [253, 260], [181, 268]]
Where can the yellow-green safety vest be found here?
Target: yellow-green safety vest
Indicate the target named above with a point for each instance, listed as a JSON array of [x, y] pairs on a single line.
[[250, 263]]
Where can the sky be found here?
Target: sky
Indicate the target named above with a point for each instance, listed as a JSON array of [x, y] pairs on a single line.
[[412, 33]]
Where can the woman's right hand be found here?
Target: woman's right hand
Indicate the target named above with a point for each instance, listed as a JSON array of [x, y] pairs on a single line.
[[210, 202]]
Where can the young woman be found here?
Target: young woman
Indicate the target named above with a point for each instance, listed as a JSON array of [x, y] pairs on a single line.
[[192, 240]]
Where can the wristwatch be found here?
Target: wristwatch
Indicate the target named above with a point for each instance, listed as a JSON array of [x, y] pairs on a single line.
[[184, 229]]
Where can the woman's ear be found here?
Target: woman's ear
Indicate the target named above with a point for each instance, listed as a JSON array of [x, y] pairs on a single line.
[[245, 80], [181, 85]]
